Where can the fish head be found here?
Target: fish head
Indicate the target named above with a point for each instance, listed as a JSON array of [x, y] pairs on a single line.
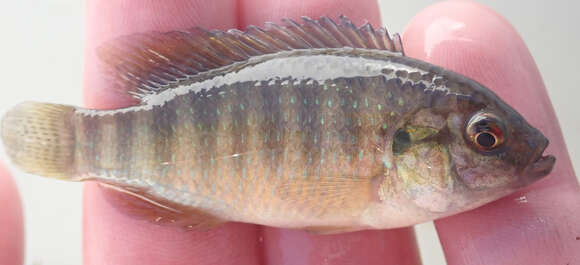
[[463, 155]]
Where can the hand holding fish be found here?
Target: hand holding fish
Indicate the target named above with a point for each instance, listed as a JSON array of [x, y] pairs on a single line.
[[460, 42]]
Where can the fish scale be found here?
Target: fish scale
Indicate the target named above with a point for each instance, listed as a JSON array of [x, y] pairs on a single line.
[[300, 162]]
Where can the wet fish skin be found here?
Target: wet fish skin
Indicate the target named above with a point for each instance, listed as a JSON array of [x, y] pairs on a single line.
[[329, 139]]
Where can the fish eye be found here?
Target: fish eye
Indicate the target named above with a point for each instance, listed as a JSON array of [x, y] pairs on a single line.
[[485, 131]]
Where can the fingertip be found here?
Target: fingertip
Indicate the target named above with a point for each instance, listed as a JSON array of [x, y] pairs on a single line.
[[473, 40], [11, 221]]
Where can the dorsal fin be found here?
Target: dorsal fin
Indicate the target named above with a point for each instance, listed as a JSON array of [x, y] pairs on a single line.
[[147, 63]]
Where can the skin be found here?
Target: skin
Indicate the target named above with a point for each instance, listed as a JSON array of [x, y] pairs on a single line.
[[11, 223], [544, 230]]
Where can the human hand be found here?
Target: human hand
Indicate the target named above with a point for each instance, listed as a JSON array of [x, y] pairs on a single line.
[[460, 36], [11, 227]]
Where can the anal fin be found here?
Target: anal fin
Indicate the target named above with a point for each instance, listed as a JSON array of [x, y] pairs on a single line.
[[137, 204]]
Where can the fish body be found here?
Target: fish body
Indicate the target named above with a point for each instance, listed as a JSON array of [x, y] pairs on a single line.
[[344, 134]]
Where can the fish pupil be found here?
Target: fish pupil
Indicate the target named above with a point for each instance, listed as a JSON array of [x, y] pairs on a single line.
[[401, 141], [485, 139]]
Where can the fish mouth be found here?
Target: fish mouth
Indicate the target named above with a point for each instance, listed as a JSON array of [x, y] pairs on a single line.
[[541, 165]]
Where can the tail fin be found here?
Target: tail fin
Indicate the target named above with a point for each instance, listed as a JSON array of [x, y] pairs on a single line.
[[39, 138]]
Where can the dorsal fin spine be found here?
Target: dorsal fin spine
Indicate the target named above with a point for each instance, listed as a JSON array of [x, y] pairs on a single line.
[[298, 30], [147, 63], [330, 25]]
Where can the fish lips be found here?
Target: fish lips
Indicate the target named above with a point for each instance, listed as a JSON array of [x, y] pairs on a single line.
[[540, 165]]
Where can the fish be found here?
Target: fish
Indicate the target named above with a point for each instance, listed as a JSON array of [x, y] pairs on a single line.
[[315, 125]]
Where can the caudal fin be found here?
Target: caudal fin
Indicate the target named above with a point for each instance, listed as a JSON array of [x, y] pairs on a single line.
[[39, 138]]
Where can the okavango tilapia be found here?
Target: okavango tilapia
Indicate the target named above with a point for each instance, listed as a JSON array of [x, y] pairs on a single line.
[[321, 126]]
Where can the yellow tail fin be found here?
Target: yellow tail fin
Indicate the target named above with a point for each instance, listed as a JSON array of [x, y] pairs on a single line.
[[39, 138]]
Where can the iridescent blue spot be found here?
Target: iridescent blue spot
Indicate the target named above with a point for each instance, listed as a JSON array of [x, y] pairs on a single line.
[[355, 104], [317, 175], [366, 102], [360, 154], [163, 172], [279, 172], [292, 99], [386, 164], [329, 103]]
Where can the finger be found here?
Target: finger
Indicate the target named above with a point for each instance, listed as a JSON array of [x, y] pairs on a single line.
[[111, 237], [543, 227], [256, 12], [297, 247], [11, 227], [395, 246]]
